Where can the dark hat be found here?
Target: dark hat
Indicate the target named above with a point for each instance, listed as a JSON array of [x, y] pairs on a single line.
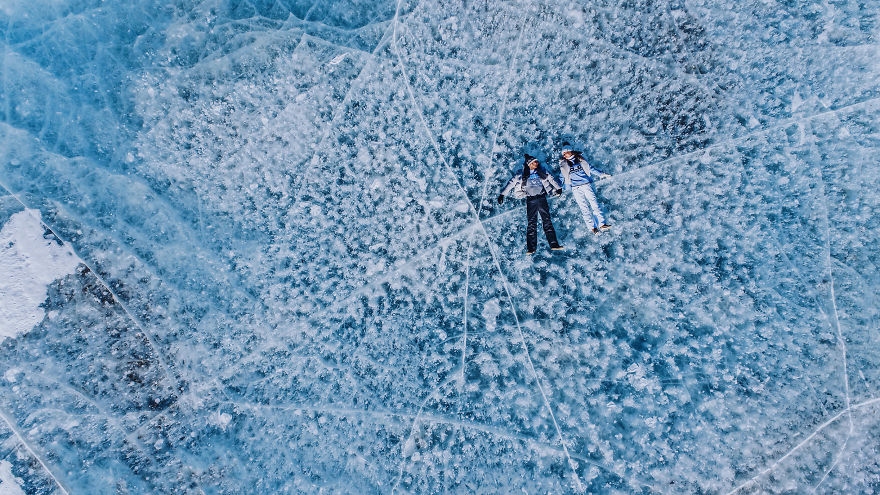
[[529, 159]]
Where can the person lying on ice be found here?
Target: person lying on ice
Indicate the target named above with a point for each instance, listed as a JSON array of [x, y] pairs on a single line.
[[577, 174], [533, 184]]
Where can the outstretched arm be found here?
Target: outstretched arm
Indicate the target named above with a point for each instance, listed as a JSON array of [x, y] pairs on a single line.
[[549, 180], [592, 169], [509, 187]]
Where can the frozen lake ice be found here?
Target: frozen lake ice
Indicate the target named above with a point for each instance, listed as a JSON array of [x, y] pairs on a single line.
[[253, 247]]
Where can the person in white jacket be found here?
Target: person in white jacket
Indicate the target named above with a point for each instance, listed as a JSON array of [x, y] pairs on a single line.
[[533, 184], [577, 174]]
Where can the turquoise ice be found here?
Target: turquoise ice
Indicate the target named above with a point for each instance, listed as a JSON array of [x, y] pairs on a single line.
[[294, 276]]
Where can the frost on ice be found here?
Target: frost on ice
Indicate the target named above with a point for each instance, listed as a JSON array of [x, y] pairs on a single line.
[[296, 279]]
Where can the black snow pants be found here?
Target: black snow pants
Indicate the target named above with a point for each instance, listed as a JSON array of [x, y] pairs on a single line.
[[535, 205]]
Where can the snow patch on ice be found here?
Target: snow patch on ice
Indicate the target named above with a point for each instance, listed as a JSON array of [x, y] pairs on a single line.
[[491, 311], [9, 484], [31, 262], [9, 375]]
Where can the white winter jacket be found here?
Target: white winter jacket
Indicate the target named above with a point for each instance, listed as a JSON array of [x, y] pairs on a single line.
[[578, 171]]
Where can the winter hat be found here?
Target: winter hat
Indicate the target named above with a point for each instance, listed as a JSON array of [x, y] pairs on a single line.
[[529, 159], [566, 147]]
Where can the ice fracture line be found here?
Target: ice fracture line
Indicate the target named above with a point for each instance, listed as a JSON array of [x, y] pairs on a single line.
[[744, 137], [487, 172], [781, 251], [27, 447], [836, 326], [803, 442], [432, 418], [159, 356], [505, 282], [840, 338]]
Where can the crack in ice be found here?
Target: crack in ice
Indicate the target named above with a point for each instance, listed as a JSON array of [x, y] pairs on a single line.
[[27, 447], [835, 326], [830, 267], [436, 418], [579, 485], [834, 464], [735, 140], [147, 334], [501, 112], [803, 442]]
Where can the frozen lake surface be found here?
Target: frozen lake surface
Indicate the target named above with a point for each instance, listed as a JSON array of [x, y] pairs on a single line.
[[253, 247]]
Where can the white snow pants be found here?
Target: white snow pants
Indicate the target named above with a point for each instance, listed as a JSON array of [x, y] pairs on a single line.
[[585, 196]]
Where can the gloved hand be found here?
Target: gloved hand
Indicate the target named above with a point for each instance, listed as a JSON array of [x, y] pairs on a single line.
[[557, 192], [604, 175], [500, 198]]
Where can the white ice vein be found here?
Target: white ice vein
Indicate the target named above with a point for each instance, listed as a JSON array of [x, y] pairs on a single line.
[[27, 447], [487, 173], [473, 211]]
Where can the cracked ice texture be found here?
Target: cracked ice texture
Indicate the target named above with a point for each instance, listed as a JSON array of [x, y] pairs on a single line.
[[294, 277]]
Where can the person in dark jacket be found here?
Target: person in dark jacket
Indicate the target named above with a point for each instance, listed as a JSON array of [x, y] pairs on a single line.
[[533, 184]]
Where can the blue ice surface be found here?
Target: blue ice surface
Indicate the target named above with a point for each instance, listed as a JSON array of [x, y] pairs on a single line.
[[296, 279]]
